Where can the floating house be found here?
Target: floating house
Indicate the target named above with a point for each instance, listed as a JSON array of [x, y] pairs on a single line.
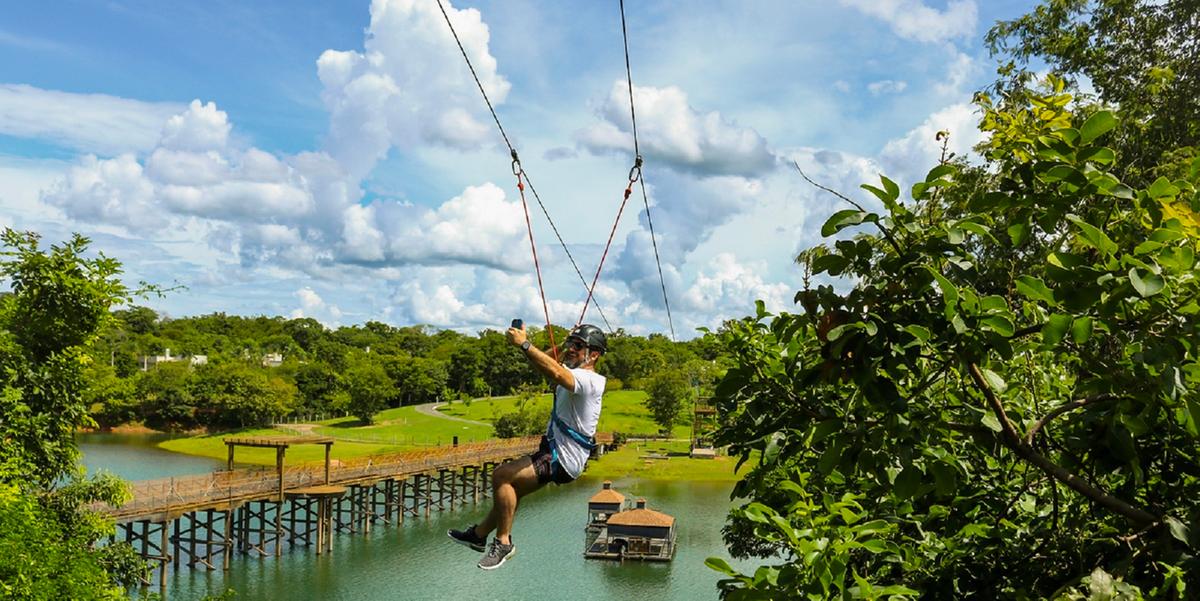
[[639, 533], [603, 504]]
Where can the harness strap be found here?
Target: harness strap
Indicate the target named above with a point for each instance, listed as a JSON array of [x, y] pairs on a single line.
[[587, 442]]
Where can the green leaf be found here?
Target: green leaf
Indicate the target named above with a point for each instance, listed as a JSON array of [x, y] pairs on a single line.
[[1064, 172], [893, 190], [994, 380], [1162, 188], [1179, 530], [882, 195], [939, 171], [1036, 290], [1147, 284], [841, 220], [1098, 154], [1096, 126], [921, 333], [949, 292], [833, 264], [1081, 329], [1019, 233], [978, 229], [1055, 329], [720, 565], [907, 482], [1093, 236], [990, 422], [998, 324], [993, 303]]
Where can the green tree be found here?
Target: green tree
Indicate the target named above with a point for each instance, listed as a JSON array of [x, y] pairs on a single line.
[[238, 395], [667, 392], [166, 396], [111, 399], [318, 384], [1137, 54], [1000, 396], [369, 388], [60, 301], [526, 420]]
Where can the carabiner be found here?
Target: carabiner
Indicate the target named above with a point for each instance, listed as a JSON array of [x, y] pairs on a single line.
[[516, 163], [635, 172]]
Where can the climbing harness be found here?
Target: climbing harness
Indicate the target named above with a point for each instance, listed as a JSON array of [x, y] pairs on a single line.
[[587, 442]]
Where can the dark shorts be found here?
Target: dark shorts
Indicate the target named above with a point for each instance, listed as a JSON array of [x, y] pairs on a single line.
[[546, 467]]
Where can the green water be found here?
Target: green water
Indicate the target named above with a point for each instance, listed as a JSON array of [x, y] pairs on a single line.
[[416, 560]]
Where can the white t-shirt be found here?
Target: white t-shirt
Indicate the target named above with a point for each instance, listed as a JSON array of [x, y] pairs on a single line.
[[579, 409]]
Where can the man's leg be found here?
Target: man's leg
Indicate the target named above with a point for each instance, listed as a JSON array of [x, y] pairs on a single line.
[[510, 482]]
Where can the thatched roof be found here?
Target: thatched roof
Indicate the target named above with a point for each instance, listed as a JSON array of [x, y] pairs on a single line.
[[641, 517]]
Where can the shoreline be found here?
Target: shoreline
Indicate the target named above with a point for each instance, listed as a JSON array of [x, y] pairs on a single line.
[[644, 461]]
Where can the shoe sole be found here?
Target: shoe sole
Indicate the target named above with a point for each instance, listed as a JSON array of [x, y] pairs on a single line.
[[506, 558], [466, 544]]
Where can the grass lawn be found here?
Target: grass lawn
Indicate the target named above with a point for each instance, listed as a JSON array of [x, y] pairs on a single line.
[[404, 426], [632, 460], [211, 445], [621, 411]]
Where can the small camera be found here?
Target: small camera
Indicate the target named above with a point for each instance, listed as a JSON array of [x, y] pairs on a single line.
[[518, 324]]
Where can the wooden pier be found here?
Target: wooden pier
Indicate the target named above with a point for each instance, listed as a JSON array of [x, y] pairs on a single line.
[[203, 521]]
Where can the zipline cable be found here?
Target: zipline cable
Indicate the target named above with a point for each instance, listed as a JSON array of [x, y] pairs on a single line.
[[519, 171], [641, 180], [635, 175]]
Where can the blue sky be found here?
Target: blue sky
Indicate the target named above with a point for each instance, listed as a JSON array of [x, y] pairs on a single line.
[[334, 159]]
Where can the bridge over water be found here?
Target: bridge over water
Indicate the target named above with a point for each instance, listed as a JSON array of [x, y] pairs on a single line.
[[203, 520]]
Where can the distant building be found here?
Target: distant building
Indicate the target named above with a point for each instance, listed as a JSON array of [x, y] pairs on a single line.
[[149, 361], [639, 533], [603, 504], [272, 360]]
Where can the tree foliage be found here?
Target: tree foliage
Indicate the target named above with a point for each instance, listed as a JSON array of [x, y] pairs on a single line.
[[667, 393], [1139, 55], [59, 302], [998, 397], [369, 389]]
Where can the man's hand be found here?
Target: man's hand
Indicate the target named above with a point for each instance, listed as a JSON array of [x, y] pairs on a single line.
[[516, 337]]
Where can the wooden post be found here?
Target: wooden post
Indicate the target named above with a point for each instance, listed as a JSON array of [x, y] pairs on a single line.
[[230, 445], [228, 550], [327, 445], [279, 451], [321, 503], [162, 574]]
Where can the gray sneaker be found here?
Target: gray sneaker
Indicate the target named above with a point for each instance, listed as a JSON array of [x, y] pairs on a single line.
[[467, 537], [497, 554]]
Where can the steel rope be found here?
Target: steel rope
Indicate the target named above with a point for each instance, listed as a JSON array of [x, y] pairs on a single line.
[[520, 169]]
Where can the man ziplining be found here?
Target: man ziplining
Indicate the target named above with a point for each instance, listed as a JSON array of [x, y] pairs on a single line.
[[565, 447]]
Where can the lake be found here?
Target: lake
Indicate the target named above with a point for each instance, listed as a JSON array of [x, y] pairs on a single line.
[[417, 561]]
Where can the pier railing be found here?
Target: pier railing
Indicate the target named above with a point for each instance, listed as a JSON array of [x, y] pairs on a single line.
[[166, 495]]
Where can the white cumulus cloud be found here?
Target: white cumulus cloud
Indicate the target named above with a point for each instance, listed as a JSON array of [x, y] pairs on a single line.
[[671, 131], [914, 20], [94, 123], [886, 86], [409, 84]]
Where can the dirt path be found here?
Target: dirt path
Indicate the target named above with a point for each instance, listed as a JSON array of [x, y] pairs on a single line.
[[431, 409], [299, 429]]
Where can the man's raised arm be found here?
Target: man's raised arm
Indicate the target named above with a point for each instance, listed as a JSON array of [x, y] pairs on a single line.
[[544, 363]]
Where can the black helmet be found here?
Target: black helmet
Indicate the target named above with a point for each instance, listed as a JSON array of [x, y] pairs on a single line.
[[591, 336]]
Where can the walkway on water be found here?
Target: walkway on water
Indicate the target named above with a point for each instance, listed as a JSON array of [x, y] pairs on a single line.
[[202, 521], [167, 498]]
